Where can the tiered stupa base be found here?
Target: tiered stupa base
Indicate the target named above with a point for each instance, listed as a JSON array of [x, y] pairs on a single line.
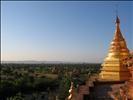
[[114, 75]]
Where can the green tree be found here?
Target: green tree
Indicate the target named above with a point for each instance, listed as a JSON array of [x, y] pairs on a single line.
[[18, 96], [63, 88]]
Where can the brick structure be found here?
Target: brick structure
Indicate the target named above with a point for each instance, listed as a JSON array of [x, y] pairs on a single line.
[[128, 62]]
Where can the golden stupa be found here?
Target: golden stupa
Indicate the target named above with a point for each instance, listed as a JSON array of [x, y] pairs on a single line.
[[112, 68]]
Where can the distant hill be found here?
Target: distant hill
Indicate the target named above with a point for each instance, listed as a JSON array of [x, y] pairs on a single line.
[[32, 62], [43, 62]]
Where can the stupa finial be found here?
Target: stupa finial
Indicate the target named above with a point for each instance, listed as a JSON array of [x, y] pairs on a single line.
[[117, 21]]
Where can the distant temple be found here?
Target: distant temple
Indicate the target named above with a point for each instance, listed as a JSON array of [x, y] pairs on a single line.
[[112, 67]]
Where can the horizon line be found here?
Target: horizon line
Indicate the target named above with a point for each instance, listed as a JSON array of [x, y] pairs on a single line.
[[47, 62]]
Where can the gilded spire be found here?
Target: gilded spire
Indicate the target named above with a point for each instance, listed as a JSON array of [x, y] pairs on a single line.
[[117, 34], [118, 42]]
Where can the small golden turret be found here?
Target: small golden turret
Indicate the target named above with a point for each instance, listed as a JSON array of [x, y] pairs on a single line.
[[71, 92], [112, 68]]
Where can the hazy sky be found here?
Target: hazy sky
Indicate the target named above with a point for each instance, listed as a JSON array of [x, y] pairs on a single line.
[[77, 31]]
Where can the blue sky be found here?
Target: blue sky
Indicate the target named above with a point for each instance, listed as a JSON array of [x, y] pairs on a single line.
[[77, 31]]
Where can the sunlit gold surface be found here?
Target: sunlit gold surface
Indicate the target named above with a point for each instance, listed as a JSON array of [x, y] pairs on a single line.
[[112, 68], [71, 92]]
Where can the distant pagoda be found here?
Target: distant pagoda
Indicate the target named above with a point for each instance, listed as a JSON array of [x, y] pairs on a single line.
[[112, 67]]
